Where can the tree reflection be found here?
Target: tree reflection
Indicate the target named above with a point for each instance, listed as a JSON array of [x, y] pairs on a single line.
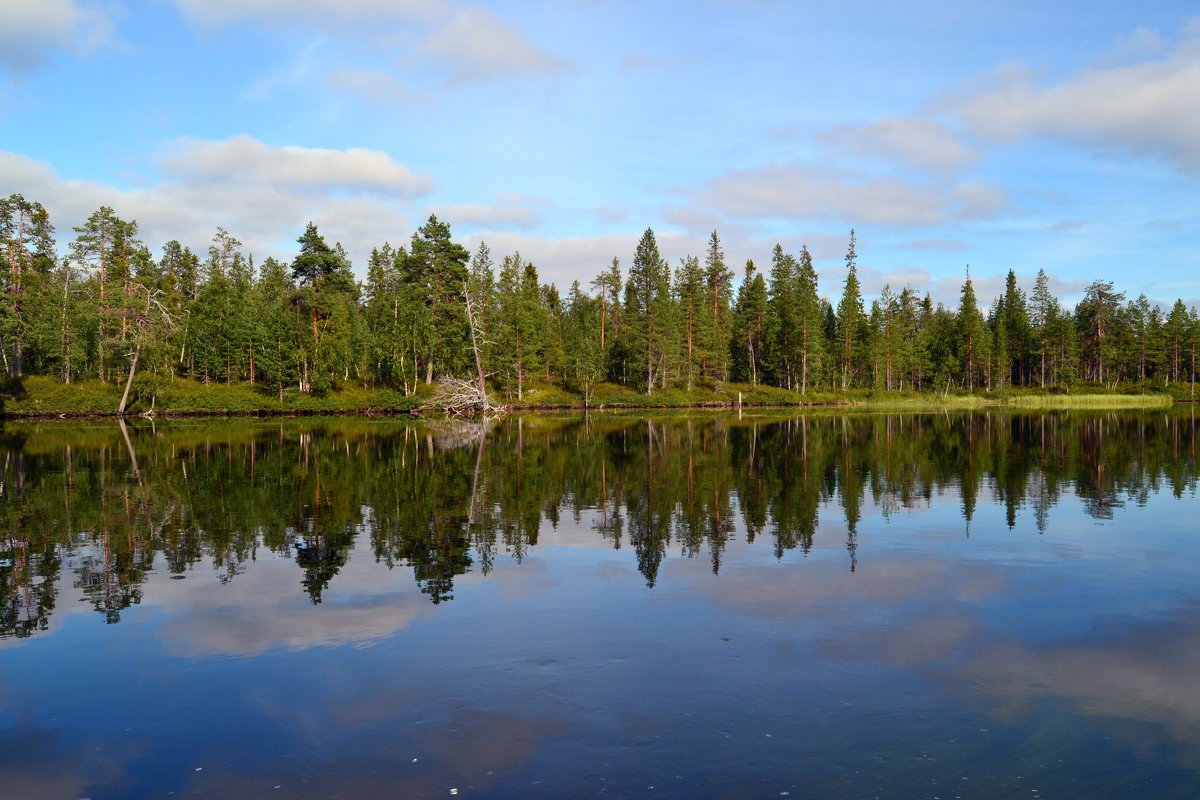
[[100, 508]]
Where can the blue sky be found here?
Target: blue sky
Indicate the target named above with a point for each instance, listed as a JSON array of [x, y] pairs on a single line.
[[997, 134]]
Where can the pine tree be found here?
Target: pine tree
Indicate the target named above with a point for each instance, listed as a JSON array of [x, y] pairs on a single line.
[[972, 336], [519, 322], [690, 297], [584, 358], [886, 334], [650, 280], [608, 292], [1016, 332], [438, 266], [27, 245], [1000, 367], [551, 321], [749, 326], [1095, 319], [1176, 334], [783, 324], [315, 262], [1043, 308], [381, 297], [277, 328], [718, 279], [851, 320], [808, 312], [105, 243], [1138, 314]]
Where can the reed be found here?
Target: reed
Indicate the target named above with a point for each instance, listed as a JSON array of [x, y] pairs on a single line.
[[1052, 401]]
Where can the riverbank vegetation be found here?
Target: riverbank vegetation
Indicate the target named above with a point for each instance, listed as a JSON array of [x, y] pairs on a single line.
[[111, 327]]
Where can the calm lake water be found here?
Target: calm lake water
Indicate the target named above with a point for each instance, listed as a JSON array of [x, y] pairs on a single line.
[[688, 606]]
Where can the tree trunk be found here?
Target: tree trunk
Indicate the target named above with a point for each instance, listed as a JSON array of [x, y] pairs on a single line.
[[137, 351], [475, 348], [649, 355]]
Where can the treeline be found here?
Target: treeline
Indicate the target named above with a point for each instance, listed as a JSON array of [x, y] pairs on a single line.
[[433, 309]]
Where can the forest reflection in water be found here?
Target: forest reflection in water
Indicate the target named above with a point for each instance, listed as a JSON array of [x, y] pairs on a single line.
[[102, 507]]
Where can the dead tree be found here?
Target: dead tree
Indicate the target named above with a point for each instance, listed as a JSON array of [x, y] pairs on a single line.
[[154, 312]]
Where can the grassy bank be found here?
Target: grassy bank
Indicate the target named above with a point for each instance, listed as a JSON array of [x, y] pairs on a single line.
[[612, 396], [40, 396]]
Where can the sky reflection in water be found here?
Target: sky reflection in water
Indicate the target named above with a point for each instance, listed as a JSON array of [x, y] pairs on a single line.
[[835, 606]]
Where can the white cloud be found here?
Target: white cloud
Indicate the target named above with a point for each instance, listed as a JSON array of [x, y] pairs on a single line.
[[264, 204], [796, 192], [476, 45], [934, 245], [469, 42], [318, 12], [871, 281], [988, 287], [30, 32], [1149, 108], [610, 216], [244, 159], [507, 212], [375, 86], [641, 62], [561, 260], [917, 143], [1146, 673], [202, 617]]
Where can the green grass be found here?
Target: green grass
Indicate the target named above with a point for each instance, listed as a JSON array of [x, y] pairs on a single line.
[[1050, 401], [36, 395], [42, 396]]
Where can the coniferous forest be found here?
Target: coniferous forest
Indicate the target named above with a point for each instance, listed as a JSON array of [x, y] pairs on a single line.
[[113, 310]]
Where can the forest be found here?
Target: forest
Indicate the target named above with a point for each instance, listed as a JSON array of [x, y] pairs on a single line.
[[109, 310]]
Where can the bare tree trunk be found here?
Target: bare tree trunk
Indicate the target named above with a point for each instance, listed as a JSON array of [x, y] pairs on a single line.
[[137, 474], [137, 351], [475, 344]]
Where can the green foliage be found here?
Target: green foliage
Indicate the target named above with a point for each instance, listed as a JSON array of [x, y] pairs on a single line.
[[749, 338], [851, 323], [648, 311], [308, 328]]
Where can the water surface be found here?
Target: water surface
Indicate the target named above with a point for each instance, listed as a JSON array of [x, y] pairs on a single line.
[[683, 606]]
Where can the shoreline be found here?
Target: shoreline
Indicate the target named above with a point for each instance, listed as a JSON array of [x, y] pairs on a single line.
[[45, 399]]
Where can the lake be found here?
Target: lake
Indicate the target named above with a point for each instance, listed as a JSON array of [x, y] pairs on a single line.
[[697, 605]]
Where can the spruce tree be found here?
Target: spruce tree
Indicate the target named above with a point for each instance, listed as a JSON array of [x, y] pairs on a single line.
[[783, 324], [1043, 303], [749, 326], [690, 297], [718, 279], [808, 313], [851, 319], [650, 280], [971, 336]]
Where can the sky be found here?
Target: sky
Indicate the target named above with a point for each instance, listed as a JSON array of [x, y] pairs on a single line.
[[950, 136]]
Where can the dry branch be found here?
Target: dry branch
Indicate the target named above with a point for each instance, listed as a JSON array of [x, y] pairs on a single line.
[[457, 396]]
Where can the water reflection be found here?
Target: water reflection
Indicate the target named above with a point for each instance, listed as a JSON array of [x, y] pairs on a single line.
[[101, 507], [824, 605]]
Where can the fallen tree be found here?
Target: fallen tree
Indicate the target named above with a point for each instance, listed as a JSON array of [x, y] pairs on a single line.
[[459, 397]]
